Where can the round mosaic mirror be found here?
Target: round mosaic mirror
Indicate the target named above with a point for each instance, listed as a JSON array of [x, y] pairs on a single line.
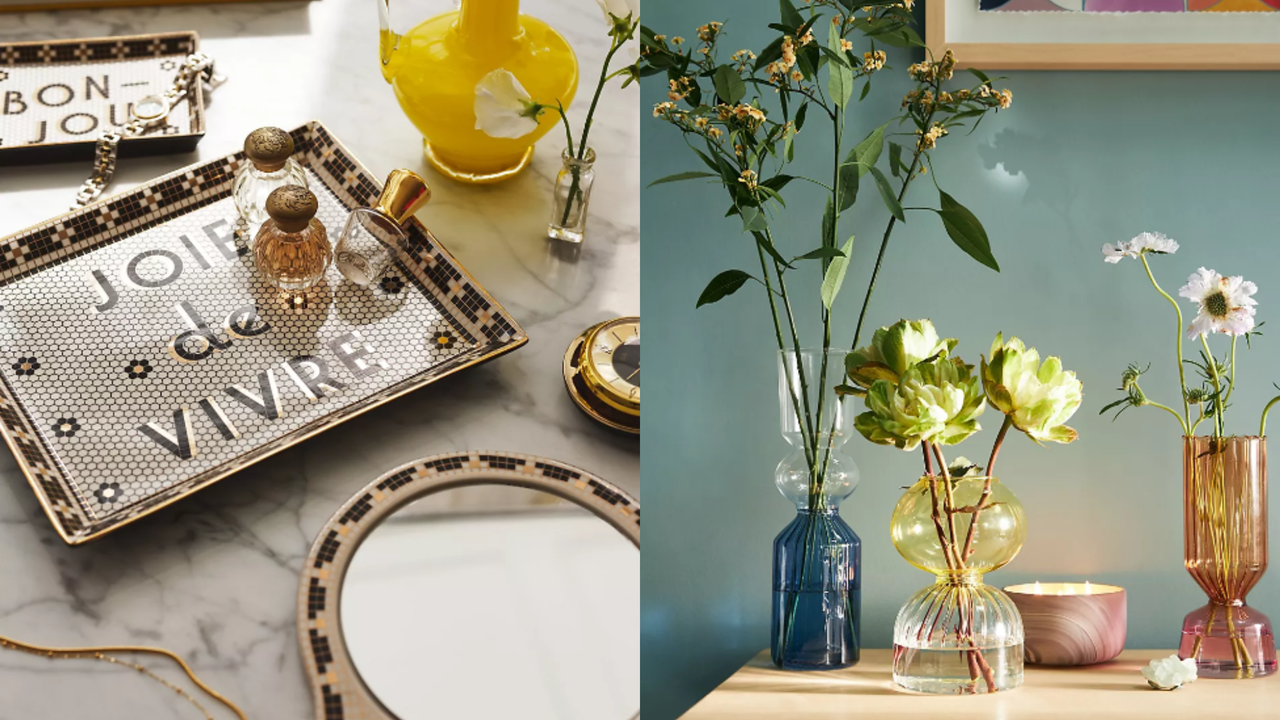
[[476, 585]]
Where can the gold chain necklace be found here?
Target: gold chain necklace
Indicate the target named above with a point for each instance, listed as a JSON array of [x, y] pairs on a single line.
[[101, 653]]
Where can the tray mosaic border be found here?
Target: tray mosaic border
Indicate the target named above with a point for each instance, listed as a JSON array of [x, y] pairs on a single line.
[[338, 692], [426, 262], [124, 47]]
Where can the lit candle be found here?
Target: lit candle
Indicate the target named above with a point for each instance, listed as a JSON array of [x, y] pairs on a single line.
[[1071, 623]]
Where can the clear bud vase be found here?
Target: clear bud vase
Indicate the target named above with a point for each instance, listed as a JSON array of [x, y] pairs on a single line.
[[573, 193]]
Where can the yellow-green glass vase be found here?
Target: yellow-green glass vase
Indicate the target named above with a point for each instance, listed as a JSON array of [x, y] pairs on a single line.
[[434, 69], [959, 635]]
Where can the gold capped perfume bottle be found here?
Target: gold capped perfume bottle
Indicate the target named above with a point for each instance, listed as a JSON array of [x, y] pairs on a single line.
[[271, 165], [367, 245], [292, 248]]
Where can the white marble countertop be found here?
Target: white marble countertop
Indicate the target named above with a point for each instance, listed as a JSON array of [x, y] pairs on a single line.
[[214, 577]]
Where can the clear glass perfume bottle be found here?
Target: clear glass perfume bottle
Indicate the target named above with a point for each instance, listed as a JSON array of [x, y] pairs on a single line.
[[270, 166], [369, 241], [292, 248]]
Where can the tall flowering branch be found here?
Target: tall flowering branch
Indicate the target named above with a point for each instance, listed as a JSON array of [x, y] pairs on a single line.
[[741, 111]]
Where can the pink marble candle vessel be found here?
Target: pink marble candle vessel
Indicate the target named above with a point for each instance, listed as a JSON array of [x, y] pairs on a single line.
[[1071, 623]]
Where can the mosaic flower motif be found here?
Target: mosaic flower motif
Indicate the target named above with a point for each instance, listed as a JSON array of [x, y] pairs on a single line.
[[392, 284], [108, 493], [4, 75], [168, 65], [138, 369], [65, 427], [26, 366], [444, 339]]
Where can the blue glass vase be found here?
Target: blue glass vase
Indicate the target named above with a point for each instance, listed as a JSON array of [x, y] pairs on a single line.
[[817, 558], [817, 593]]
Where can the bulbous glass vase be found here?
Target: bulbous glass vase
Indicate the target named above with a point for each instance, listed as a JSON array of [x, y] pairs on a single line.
[[817, 558], [958, 636]]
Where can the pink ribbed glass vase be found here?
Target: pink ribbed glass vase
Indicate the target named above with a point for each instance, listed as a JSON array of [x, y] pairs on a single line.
[[1224, 482]]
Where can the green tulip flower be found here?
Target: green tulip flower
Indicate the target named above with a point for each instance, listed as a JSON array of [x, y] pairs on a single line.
[[893, 351], [1038, 397], [935, 401]]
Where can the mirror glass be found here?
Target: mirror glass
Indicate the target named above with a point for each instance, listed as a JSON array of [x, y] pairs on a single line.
[[490, 601]]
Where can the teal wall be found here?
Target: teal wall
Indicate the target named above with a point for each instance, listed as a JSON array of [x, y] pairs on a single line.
[[1081, 159]]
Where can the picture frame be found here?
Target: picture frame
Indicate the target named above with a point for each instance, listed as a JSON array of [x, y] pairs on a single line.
[[1102, 41]]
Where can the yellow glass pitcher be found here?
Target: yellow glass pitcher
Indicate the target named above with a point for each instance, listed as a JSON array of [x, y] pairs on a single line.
[[435, 67]]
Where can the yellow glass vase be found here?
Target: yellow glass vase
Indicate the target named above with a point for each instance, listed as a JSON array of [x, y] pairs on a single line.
[[435, 67], [958, 635]]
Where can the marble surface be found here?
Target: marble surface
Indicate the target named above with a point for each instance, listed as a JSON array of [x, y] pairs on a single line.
[[214, 577]]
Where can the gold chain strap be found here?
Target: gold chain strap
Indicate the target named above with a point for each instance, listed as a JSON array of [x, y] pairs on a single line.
[[195, 75], [101, 654]]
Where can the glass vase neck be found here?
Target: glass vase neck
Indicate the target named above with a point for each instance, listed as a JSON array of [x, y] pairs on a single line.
[[573, 161], [958, 578]]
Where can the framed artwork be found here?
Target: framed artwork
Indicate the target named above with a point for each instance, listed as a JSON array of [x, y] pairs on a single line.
[[1107, 34]]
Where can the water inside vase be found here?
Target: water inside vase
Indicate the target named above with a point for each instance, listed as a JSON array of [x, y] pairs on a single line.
[[949, 672]]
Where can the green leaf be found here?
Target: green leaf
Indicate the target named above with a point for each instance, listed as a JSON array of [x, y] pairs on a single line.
[[980, 75], [866, 90], [895, 159], [800, 115], [753, 220], [834, 278], [849, 185], [822, 253], [729, 85], [966, 232], [722, 286], [840, 75], [790, 16], [682, 176], [829, 224], [763, 241], [886, 192], [868, 151], [771, 52]]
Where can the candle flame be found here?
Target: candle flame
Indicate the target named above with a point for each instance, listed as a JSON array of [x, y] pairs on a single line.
[[1039, 590], [1088, 589]]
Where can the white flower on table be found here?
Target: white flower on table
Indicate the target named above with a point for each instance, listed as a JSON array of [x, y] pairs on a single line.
[[1226, 305], [504, 108], [1147, 242], [1170, 673]]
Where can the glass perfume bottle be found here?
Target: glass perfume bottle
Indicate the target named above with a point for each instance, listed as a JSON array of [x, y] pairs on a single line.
[[369, 241], [271, 165], [292, 248]]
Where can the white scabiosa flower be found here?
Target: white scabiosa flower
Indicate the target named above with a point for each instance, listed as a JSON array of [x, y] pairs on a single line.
[[1147, 242], [1226, 303], [503, 107], [1170, 673]]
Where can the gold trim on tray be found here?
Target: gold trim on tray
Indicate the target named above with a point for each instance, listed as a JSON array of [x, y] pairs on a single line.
[[483, 326], [337, 690]]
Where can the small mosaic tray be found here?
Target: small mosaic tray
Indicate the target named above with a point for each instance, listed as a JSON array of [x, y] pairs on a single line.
[[142, 358], [57, 97]]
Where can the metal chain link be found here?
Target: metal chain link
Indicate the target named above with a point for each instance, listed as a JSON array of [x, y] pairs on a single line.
[[196, 72]]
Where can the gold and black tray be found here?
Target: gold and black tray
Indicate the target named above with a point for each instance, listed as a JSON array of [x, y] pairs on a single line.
[[57, 97], [143, 359]]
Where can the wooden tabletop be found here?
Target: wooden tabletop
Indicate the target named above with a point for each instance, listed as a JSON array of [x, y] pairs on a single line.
[[866, 690]]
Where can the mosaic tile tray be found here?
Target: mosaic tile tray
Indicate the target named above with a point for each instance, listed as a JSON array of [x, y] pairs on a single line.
[[57, 97], [142, 359]]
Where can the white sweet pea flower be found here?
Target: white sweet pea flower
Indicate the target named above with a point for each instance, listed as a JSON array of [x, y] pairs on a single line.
[[1147, 242], [503, 107], [621, 9], [1170, 673], [1226, 305]]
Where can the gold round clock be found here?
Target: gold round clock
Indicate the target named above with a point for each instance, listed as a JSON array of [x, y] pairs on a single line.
[[602, 373]]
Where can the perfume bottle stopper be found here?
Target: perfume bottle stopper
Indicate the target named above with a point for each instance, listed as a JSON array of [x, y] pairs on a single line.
[[268, 148]]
